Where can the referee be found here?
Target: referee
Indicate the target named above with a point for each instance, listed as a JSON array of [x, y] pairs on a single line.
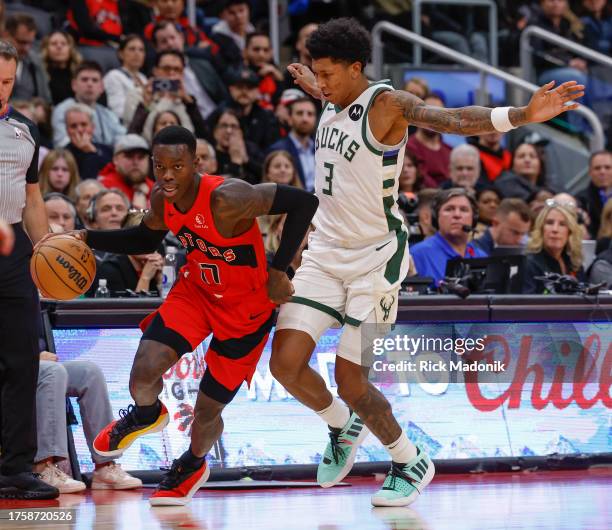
[[21, 206]]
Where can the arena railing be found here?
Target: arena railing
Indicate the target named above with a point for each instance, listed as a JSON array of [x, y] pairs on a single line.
[[597, 138], [526, 52], [416, 24]]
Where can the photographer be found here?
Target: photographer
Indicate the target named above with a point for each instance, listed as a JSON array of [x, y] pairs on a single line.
[[454, 216], [165, 90]]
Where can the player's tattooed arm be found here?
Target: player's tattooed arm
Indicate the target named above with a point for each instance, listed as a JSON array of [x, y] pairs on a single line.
[[546, 103], [468, 121]]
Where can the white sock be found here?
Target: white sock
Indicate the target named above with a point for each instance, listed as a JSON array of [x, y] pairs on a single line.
[[336, 415], [402, 450]]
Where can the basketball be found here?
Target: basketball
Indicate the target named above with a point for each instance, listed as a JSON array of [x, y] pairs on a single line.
[[62, 267]]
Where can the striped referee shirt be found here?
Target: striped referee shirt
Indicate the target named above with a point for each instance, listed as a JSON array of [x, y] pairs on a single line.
[[19, 143]]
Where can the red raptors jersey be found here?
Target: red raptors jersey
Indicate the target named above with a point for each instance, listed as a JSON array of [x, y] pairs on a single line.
[[222, 266]]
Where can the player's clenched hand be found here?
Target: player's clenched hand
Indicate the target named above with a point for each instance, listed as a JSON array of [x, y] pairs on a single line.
[[280, 288], [305, 79]]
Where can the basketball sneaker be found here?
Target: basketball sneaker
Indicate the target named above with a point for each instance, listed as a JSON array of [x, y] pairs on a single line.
[[118, 435], [179, 484], [405, 482], [341, 451], [26, 485]]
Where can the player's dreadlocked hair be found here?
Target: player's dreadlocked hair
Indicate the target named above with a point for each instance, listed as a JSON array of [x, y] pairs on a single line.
[[341, 39]]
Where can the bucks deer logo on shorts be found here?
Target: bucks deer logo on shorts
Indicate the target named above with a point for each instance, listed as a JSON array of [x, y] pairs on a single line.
[[386, 303]]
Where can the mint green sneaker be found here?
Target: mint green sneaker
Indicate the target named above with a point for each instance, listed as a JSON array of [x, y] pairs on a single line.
[[405, 482], [340, 452]]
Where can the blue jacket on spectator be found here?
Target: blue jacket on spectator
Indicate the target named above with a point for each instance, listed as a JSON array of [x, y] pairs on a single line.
[[287, 144], [430, 256]]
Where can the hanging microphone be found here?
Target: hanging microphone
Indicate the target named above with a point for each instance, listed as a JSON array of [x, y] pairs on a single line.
[[467, 229]]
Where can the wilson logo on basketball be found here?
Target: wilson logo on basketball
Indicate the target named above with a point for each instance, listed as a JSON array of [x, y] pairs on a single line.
[[73, 274]]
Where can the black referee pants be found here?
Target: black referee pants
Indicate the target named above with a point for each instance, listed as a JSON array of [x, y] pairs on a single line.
[[19, 360]]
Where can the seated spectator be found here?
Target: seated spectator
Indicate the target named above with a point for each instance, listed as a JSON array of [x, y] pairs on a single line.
[[96, 26], [173, 11], [259, 58], [571, 203], [410, 179], [159, 95], [425, 199], [85, 191], [527, 175], [129, 170], [140, 274], [199, 75], [120, 81], [31, 79], [597, 193], [299, 142], [488, 200], [282, 109], [537, 200], [604, 236], [60, 212], [454, 214], [555, 247], [42, 118], [231, 31], [88, 87], [60, 59], [418, 87], [597, 20], [236, 156], [164, 115], [554, 62], [494, 159], [431, 152], [108, 209], [509, 227], [258, 125], [59, 173], [464, 168], [85, 381], [206, 159], [279, 167], [90, 155], [601, 269]]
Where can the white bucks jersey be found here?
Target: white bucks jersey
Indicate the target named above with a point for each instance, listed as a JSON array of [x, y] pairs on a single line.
[[356, 177]]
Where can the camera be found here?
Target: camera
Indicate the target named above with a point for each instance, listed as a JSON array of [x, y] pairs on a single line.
[[408, 204], [166, 85]]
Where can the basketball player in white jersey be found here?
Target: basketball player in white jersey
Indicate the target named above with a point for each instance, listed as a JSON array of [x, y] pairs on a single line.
[[358, 254]]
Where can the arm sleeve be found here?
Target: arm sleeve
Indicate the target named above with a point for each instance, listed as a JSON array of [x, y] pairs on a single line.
[[300, 207], [135, 240]]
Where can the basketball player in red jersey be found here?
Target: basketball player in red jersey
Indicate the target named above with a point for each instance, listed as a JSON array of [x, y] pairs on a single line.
[[224, 289]]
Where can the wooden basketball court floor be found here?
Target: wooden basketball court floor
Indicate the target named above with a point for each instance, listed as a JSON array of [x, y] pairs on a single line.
[[560, 500]]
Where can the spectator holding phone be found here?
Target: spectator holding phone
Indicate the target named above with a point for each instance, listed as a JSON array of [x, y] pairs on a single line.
[[166, 91]]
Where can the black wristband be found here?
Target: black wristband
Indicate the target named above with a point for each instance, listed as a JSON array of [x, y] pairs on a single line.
[[300, 207]]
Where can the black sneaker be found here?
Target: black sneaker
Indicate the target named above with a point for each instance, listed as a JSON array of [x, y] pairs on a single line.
[[26, 485], [118, 435]]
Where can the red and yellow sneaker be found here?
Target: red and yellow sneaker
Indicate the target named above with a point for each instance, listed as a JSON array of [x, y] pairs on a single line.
[[118, 435], [179, 485]]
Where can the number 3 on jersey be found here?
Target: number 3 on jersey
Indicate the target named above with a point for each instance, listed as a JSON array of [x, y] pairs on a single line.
[[329, 178], [210, 273]]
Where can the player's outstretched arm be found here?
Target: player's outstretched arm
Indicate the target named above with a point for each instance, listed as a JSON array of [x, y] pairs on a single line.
[[142, 239], [546, 103], [236, 200]]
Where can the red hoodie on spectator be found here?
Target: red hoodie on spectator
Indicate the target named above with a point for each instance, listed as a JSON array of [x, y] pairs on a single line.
[[105, 21], [110, 178], [193, 36]]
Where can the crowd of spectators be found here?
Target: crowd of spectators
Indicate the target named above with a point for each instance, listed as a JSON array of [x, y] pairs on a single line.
[[100, 87]]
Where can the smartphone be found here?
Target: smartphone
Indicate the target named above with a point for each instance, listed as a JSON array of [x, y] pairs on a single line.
[[166, 85]]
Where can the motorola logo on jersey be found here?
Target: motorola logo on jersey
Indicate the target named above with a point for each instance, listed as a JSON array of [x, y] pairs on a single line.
[[355, 112]]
